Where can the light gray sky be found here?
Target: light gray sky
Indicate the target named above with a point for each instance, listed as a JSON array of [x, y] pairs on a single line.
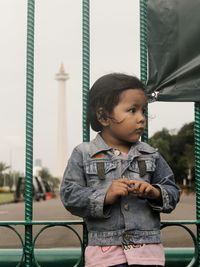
[[114, 47]]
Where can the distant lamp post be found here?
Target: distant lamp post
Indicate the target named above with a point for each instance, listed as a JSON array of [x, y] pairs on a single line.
[[184, 181], [189, 177]]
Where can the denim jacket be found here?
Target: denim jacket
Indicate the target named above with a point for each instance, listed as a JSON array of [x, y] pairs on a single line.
[[90, 171]]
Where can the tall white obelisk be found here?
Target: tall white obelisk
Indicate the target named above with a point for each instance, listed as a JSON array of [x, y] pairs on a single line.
[[61, 77]]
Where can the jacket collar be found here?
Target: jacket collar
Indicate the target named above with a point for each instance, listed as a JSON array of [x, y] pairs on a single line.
[[98, 145]]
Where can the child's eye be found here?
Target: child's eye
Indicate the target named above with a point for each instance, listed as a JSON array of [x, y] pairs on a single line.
[[132, 110]]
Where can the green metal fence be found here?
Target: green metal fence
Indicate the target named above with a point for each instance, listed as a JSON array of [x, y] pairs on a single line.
[[28, 255]]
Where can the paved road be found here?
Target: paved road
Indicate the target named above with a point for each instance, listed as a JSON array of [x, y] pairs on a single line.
[[60, 237], [185, 210], [44, 210]]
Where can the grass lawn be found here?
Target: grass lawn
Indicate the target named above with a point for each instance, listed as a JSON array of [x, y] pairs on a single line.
[[6, 197]]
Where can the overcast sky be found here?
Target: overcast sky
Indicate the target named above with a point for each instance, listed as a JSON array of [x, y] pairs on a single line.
[[114, 47]]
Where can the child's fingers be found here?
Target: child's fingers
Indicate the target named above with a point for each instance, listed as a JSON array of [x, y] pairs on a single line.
[[115, 190], [123, 192], [144, 188], [118, 186], [140, 187]]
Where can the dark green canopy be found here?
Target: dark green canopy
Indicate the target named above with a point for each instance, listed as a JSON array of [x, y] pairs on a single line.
[[174, 49]]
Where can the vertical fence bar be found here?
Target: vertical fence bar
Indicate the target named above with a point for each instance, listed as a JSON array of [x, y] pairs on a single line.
[[85, 80], [197, 169], [143, 53], [29, 131], [85, 65]]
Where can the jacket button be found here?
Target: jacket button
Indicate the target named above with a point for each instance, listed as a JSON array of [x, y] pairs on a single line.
[[116, 152], [126, 206]]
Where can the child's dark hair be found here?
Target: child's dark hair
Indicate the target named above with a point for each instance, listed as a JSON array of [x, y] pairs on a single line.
[[105, 94]]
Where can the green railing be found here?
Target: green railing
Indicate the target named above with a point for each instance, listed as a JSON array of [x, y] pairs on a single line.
[[30, 256]]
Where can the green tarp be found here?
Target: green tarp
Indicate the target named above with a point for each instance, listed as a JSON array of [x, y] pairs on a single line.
[[173, 29]]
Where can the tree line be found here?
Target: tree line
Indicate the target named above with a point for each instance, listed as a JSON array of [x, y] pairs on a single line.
[[178, 150]]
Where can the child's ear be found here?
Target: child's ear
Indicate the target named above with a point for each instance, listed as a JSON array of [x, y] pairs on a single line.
[[102, 117]]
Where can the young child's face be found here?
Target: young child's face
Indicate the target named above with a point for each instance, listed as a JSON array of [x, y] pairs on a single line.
[[128, 119]]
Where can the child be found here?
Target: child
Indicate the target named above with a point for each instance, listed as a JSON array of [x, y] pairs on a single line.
[[118, 184]]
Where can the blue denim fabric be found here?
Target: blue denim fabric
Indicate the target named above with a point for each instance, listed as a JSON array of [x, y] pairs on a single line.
[[91, 169]]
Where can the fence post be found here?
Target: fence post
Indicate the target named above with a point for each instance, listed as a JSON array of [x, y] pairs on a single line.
[[85, 66], [197, 169], [143, 54], [28, 250]]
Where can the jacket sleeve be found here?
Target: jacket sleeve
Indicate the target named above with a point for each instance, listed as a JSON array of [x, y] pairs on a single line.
[[163, 178], [76, 196]]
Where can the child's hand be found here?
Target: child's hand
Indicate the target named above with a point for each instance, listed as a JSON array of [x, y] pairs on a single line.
[[118, 188], [144, 189]]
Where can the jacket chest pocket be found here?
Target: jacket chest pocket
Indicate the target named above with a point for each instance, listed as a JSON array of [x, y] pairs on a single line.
[[98, 171], [143, 168]]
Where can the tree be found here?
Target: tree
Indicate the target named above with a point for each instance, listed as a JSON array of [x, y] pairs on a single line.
[[3, 167], [185, 150], [161, 140], [177, 149], [46, 176]]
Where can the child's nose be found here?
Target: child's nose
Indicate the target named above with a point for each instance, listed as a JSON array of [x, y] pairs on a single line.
[[141, 117]]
